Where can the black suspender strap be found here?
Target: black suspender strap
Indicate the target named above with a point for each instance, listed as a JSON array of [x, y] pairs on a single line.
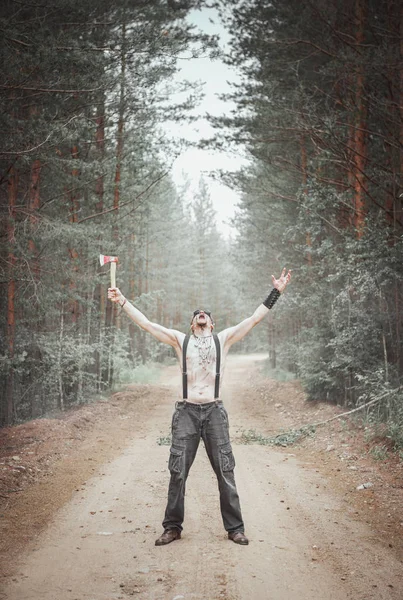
[[184, 368], [217, 366]]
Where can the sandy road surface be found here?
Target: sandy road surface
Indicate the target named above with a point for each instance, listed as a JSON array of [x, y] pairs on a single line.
[[304, 544]]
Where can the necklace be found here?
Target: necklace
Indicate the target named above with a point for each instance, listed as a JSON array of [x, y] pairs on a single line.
[[203, 345]]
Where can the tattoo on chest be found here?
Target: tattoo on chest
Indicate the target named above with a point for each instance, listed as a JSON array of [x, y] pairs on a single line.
[[204, 345]]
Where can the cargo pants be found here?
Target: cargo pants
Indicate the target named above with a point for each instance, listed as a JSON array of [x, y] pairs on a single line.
[[209, 422]]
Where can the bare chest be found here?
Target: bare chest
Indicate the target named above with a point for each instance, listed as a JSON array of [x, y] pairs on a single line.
[[201, 356]]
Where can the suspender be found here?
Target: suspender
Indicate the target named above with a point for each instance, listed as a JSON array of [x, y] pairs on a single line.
[[184, 372], [217, 366]]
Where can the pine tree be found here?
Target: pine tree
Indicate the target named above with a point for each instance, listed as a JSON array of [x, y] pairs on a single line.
[[317, 110]]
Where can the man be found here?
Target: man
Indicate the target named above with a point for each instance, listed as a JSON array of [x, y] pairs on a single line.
[[201, 414]]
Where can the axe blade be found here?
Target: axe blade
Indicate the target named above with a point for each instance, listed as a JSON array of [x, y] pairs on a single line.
[[107, 259]]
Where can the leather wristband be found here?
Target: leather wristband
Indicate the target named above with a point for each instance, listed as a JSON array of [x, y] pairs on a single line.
[[272, 298], [123, 303]]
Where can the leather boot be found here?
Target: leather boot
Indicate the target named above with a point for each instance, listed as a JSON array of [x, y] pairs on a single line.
[[169, 535], [238, 537]]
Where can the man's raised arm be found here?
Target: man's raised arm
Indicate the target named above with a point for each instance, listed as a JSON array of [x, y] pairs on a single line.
[[236, 333], [161, 333]]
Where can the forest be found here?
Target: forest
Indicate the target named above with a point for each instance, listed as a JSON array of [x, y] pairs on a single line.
[[86, 90]]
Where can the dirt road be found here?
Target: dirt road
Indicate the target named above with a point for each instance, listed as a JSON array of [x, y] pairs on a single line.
[[306, 541]]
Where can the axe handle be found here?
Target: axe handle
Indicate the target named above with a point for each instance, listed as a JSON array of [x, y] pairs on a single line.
[[113, 274]]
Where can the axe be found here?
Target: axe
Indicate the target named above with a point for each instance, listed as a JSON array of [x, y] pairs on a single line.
[[113, 260]]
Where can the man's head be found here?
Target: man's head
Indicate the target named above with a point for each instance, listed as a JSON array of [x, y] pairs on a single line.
[[203, 319]]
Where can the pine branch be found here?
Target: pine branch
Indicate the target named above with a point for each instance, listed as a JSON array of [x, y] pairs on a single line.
[[17, 153], [109, 210], [49, 90]]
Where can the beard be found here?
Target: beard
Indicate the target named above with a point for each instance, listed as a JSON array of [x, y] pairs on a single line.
[[200, 325]]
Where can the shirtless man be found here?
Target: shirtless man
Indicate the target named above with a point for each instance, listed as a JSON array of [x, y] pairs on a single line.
[[201, 414]]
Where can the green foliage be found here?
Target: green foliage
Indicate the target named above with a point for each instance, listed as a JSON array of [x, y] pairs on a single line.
[[284, 438], [322, 192], [149, 373], [164, 440], [278, 374], [379, 452], [86, 87], [394, 430]]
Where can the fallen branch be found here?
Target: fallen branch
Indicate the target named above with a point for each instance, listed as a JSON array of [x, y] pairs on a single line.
[[350, 412], [294, 434]]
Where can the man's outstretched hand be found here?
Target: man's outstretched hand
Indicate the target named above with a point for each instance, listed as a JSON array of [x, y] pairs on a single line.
[[115, 295], [281, 283]]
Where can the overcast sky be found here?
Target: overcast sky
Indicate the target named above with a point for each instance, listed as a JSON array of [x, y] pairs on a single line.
[[193, 162]]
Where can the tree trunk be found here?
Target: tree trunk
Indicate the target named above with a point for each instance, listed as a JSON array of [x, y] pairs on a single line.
[[112, 318], [401, 90], [59, 367], [11, 285], [99, 294], [120, 131], [132, 295], [272, 343], [360, 136], [398, 209], [74, 208], [34, 206], [304, 171]]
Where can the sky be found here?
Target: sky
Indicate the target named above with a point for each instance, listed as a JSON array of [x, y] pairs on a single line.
[[193, 162]]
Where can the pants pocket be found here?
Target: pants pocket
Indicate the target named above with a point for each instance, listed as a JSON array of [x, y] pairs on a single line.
[[227, 459], [175, 460], [175, 419], [224, 414]]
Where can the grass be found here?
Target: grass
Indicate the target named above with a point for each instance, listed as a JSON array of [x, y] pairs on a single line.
[[277, 373], [284, 438], [164, 440], [379, 452], [148, 373], [395, 435]]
